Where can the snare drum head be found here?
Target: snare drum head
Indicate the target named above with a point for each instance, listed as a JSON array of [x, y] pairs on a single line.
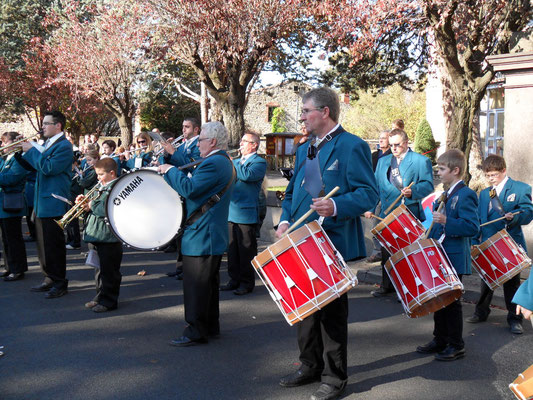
[[143, 210]]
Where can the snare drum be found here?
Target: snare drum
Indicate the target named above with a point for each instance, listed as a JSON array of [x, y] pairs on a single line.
[[522, 386], [398, 229], [498, 259], [143, 210], [423, 278], [303, 272]]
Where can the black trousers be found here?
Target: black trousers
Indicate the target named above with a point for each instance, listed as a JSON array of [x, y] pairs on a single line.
[[107, 278], [242, 249], [14, 249], [323, 342], [30, 222], [386, 283], [201, 281], [51, 251], [73, 233], [449, 324], [509, 289]]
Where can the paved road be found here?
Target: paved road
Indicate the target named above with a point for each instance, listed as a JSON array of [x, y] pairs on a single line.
[[56, 349]]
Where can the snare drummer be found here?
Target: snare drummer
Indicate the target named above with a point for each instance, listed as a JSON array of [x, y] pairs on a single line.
[[394, 172], [332, 157], [455, 227], [502, 198]]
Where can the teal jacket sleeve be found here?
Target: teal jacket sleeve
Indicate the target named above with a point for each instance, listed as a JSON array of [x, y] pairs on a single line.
[[250, 171], [424, 186], [524, 295], [49, 164]]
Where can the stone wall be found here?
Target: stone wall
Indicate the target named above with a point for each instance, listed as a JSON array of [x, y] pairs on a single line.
[[22, 126]]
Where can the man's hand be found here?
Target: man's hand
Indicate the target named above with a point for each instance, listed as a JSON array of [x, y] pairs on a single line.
[[407, 192], [282, 228], [368, 214], [509, 216], [324, 208], [168, 147], [162, 169], [26, 146], [524, 311], [439, 218]]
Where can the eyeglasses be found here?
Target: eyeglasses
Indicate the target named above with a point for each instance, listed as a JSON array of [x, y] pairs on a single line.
[[247, 141], [396, 144], [141, 141], [493, 175], [50, 123], [306, 111], [204, 138]]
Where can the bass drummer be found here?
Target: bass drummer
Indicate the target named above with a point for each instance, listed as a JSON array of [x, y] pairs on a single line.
[[503, 198]]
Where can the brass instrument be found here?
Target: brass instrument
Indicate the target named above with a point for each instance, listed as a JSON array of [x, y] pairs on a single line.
[[175, 143], [14, 146], [79, 208]]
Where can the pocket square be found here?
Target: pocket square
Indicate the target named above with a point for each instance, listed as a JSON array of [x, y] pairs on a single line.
[[334, 166], [511, 197]]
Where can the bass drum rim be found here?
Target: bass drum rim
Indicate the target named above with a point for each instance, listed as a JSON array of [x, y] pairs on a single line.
[[120, 238]]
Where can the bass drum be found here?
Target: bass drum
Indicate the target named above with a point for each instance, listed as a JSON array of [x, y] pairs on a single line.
[[143, 210]]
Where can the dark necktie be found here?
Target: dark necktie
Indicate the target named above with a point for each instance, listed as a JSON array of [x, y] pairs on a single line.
[[495, 203]]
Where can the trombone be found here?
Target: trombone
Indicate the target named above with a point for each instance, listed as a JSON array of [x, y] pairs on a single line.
[[14, 146], [79, 208]]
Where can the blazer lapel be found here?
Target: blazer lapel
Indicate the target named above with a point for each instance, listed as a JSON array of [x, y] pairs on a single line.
[[326, 150], [405, 165]]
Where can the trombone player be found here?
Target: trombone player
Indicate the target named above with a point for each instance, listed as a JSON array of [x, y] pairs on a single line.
[[53, 162]]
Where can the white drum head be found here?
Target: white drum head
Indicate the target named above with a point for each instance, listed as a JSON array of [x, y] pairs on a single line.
[[143, 210]]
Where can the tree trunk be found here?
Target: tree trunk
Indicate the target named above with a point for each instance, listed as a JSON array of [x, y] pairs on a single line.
[[125, 123]]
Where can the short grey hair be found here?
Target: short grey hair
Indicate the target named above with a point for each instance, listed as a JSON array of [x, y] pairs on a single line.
[[216, 130], [325, 97]]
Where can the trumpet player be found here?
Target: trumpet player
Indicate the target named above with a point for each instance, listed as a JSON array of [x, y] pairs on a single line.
[[142, 156], [107, 276], [13, 208], [53, 163]]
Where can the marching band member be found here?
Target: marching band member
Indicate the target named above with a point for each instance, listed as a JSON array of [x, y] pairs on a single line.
[[394, 173], [53, 163], [108, 150], [12, 209], [207, 194], [244, 216], [97, 233], [333, 157], [88, 176], [142, 156], [457, 224], [523, 298], [504, 197]]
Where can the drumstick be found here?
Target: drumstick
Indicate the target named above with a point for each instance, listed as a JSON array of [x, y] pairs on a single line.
[[499, 219], [311, 211], [398, 199], [426, 234], [376, 217]]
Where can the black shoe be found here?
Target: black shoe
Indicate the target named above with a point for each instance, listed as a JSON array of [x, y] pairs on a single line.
[[170, 249], [474, 319], [450, 353], [431, 347], [327, 392], [179, 276], [171, 274], [55, 292], [381, 292], [184, 341], [4, 273], [298, 378], [229, 286], [43, 287], [516, 327], [14, 277], [242, 291]]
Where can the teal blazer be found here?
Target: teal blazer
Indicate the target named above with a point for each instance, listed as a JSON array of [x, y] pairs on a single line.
[[29, 190], [462, 224], [345, 161], [413, 168], [209, 234], [515, 196], [524, 295], [54, 175], [244, 205], [184, 156], [146, 160], [12, 180]]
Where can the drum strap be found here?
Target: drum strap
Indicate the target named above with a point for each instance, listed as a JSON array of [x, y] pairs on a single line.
[[394, 174], [495, 203], [214, 199]]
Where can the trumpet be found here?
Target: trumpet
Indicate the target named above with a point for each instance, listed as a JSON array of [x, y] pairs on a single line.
[[79, 208], [14, 146], [175, 143]]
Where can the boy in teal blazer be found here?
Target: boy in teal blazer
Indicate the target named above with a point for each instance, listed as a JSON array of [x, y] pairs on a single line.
[[504, 197], [455, 227]]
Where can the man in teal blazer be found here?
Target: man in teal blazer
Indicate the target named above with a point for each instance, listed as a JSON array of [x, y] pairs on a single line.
[[523, 298], [207, 194], [53, 163], [244, 216], [394, 173], [504, 197], [334, 158], [12, 181]]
